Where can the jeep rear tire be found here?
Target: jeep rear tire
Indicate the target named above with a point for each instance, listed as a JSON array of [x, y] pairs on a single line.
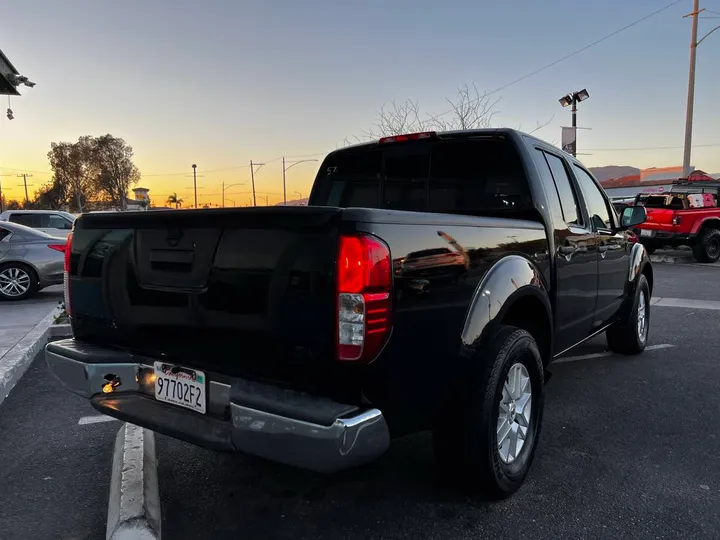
[[707, 246], [486, 435]]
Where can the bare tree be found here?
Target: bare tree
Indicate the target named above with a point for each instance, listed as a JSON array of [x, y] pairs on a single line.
[[469, 109]]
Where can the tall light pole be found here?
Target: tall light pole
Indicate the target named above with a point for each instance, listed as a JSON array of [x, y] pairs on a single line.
[[694, 42], [572, 99], [225, 188], [194, 168], [290, 167]]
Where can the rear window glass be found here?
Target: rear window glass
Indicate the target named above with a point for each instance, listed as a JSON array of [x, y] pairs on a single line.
[[671, 202], [463, 176]]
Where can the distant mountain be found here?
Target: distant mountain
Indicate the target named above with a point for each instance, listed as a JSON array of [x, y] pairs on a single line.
[[613, 171]]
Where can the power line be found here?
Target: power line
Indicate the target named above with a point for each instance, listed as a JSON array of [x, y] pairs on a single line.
[[566, 57], [640, 149]]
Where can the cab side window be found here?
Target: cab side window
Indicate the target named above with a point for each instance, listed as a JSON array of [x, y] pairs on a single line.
[[595, 200], [565, 191], [58, 222]]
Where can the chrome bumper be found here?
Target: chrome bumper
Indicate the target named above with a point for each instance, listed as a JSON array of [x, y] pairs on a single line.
[[353, 438]]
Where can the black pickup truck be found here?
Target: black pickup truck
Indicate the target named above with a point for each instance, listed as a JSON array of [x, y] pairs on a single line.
[[427, 286]]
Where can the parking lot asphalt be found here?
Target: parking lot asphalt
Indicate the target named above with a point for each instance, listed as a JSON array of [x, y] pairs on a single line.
[[628, 450], [54, 473]]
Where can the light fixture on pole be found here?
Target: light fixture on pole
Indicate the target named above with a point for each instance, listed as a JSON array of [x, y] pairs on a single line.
[[569, 143]]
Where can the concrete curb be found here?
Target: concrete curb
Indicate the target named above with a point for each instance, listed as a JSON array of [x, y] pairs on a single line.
[[672, 259], [61, 330], [16, 361], [134, 504]]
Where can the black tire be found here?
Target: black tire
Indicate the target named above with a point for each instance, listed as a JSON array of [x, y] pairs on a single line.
[[23, 270], [625, 336], [707, 246], [465, 436]]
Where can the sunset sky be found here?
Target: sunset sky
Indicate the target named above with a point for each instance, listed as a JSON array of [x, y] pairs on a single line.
[[221, 82]]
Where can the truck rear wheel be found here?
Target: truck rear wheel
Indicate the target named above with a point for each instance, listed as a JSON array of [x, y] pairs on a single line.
[[707, 246], [629, 336], [486, 436]]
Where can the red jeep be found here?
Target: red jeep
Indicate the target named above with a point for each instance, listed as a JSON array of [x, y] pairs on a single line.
[[687, 215]]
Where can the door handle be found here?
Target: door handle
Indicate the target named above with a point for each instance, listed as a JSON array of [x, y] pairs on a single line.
[[569, 251]]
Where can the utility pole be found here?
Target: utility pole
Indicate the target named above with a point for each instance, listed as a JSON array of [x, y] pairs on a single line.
[[252, 177], [691, 89], [694, 42], [2, 209], [25, 177], [223, 194]]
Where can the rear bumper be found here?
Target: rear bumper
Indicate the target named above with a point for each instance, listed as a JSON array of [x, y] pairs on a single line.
[[659, 236], [242, 416]]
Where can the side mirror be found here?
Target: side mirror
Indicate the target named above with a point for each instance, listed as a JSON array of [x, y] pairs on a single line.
[[632, 216]]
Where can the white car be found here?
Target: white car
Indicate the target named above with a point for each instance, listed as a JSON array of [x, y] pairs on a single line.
[[53, 222]]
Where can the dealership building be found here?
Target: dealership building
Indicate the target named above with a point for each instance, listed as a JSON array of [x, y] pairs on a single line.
[[653, 180]]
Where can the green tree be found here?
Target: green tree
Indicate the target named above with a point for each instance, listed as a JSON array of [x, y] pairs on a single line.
[[72, 169], [173, 199], [113, 169]]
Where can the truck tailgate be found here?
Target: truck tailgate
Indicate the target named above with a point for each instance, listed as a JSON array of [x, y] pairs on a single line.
[[246, 292]]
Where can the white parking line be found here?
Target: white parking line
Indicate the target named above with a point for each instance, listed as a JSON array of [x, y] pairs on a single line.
[[608, 353], [685, 303], [85, 420]]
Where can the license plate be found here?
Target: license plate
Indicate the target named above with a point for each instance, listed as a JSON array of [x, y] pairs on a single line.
[[645, 232], [180, 386]]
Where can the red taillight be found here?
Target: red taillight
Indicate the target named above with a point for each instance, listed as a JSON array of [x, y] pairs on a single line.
[[409, 137], [364, 297], [57, 247], [66, 272]]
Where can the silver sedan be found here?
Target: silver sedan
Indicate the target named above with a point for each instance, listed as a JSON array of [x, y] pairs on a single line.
[[30, 260]]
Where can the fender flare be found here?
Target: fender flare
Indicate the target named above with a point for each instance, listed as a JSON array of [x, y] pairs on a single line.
[[638, 263], [638, 260], [507, 281], [700, 223]]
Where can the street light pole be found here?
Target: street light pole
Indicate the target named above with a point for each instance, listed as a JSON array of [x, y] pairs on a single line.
[[290, 167], [194, 168], [573, 99], [284, 188]]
